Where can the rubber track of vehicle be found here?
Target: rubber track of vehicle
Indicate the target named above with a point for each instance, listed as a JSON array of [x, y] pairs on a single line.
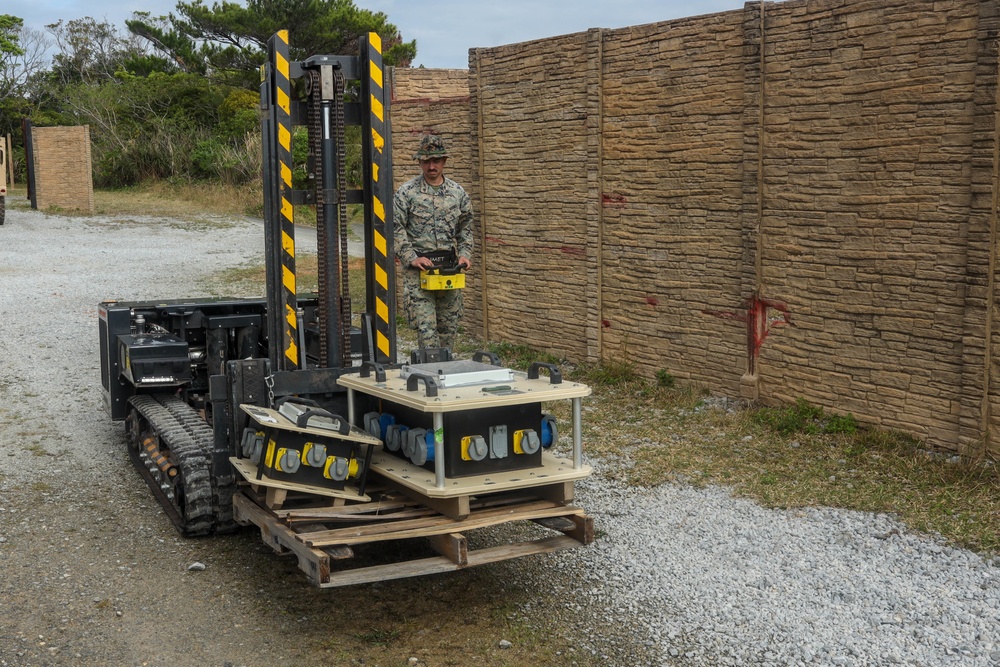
[[189, 442], [223, 489], [223, 483]]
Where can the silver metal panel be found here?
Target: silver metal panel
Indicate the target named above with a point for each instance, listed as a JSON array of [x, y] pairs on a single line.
[[459, 373]]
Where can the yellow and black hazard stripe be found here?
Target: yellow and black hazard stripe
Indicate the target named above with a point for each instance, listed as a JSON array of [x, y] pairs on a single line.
[[381, 194], [283, 118]]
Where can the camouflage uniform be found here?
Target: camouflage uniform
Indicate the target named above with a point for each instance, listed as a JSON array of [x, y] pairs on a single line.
[[429, 218]]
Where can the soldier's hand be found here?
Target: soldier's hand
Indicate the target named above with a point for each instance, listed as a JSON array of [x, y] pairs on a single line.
[[464, 263], [422, 263]]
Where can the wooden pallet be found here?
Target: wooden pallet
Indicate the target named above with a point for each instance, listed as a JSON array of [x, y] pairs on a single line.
[[320, 535]]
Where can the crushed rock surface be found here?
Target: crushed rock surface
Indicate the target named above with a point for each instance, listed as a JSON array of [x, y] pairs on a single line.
[[92, 573]]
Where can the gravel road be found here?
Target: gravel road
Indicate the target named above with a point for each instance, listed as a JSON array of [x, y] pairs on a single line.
[[91, 573]]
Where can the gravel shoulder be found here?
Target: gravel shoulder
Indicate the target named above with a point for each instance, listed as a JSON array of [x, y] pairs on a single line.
[[92, 573]]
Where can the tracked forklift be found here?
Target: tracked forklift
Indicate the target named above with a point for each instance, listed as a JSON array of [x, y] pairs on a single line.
[[294, 414]]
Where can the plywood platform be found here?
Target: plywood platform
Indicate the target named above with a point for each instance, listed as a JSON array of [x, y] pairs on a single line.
[[517, 391], [323, 538], [552, 471], [552, 480]]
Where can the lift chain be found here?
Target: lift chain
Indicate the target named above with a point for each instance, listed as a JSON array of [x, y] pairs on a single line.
[[315, 126], [327, 270], [339, 86]]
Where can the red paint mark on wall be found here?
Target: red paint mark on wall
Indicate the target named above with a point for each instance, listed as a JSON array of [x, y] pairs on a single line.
[[568, 250], [613, 200], [759, 321], [652, 301], [606, 324]]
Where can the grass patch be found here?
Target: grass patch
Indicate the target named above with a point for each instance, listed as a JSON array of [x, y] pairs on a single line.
[[251, 280], [379, 637], [796, 456], [804, 418], [17, 197], [609, 373], [184, 200], [306, 215], [37, 450], [665, 379]]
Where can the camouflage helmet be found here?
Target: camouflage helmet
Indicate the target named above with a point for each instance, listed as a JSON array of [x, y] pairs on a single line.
[[431, 146]]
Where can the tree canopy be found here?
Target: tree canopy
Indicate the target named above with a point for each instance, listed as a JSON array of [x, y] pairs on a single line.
[[174, 96], [10, 29], [23, 58], [92, 51], [230, 40]]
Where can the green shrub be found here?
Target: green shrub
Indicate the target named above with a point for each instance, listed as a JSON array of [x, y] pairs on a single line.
[[206, 158], [845, 424], [610, 373], [665, 379], [804, 418]]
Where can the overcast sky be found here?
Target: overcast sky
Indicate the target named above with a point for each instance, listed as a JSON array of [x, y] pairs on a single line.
[[445, 30]]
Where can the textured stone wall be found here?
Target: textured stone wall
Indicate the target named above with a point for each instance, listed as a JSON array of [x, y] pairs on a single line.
[[63, 175], [792, 200], [878, 141], [672, 170], [536, 186], [623, 204], [414, 84]]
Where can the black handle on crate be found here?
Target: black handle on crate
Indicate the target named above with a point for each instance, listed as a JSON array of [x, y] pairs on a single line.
[[298, 400], [486, 357], [343, 428], [430, 382], [555, 377], [368, 366]]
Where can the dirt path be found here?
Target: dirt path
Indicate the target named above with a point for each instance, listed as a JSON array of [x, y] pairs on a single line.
[[91, 571]]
